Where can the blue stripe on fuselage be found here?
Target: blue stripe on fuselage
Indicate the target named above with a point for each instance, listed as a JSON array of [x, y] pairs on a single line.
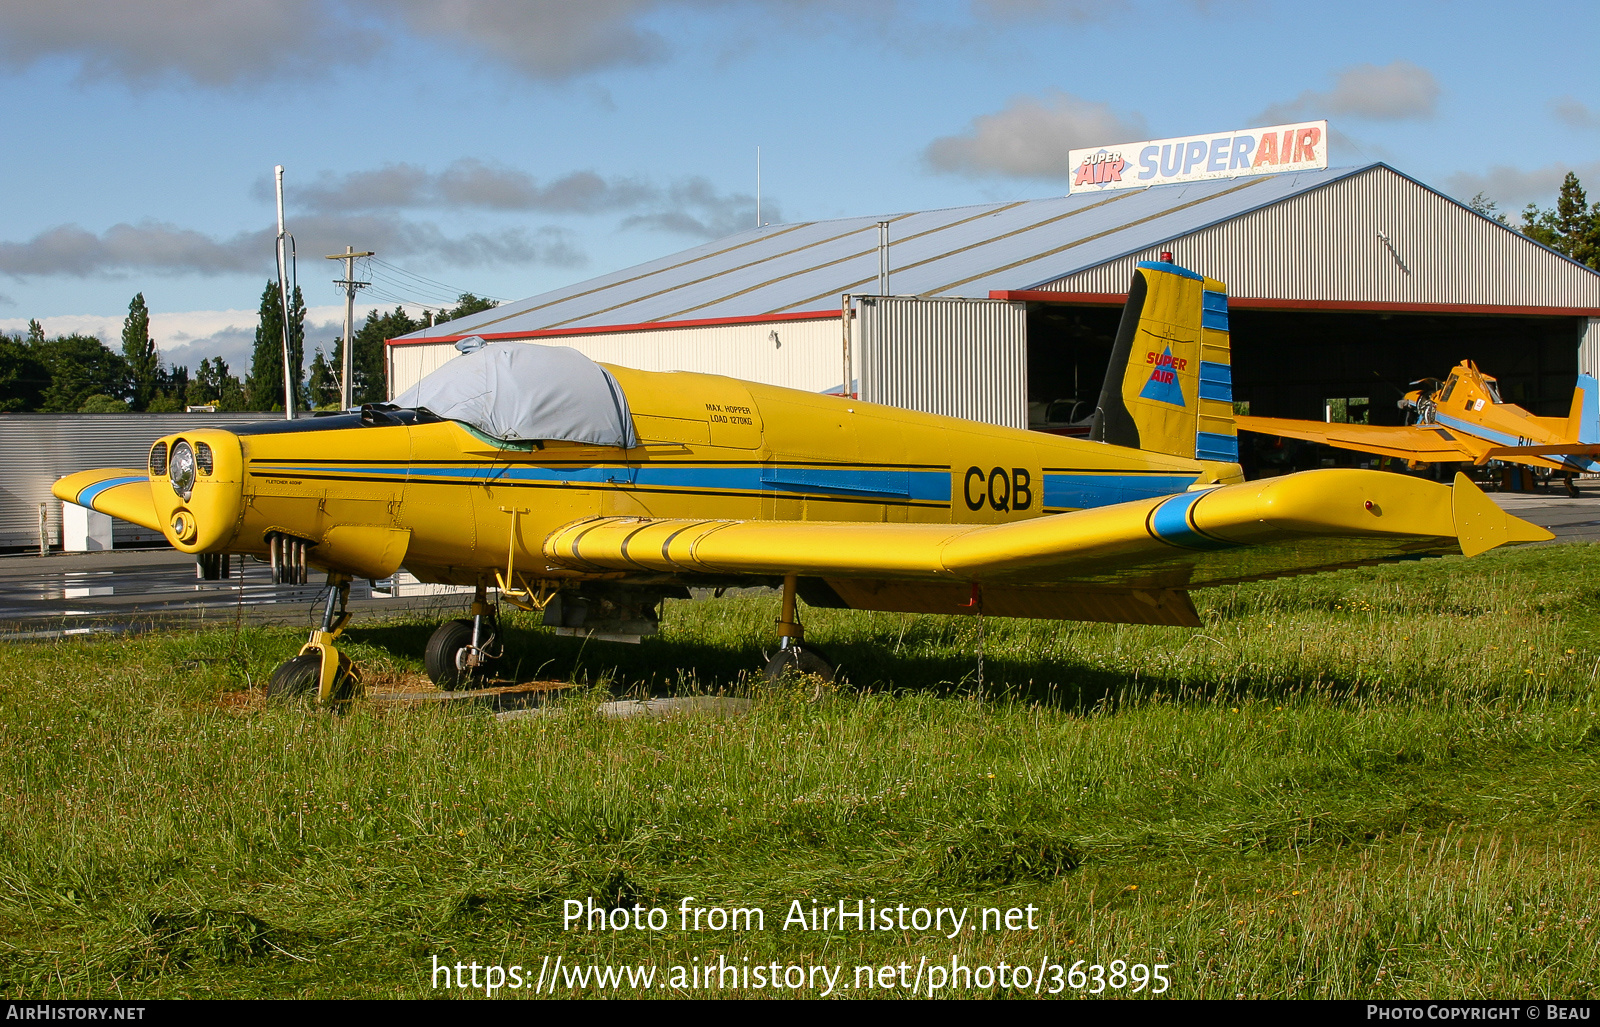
[[1071, 491], [1085, 490], [919, 486], [1478, 430]]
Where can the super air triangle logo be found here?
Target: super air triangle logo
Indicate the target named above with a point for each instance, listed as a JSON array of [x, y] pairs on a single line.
[[1163, 385]]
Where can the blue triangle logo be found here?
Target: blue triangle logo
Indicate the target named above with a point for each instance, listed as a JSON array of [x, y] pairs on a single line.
[[1163, 385]]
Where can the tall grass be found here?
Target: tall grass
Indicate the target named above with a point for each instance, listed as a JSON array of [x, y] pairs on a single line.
[[1375, 783]]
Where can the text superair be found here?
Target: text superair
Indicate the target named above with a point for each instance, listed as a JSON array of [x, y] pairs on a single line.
[[1249, 151]]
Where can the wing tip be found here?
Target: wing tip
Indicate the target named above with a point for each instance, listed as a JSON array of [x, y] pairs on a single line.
[[1481, 525]]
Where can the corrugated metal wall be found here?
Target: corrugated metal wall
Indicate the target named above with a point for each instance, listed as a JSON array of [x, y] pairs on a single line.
[[36, 449], [1589, 348], [1372, 237], [805, 355], [959, 357]]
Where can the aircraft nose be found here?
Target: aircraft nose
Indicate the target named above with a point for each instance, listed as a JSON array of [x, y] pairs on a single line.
[[197, 481]]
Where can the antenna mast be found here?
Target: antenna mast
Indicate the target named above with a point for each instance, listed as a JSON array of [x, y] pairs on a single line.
[[285, 266]]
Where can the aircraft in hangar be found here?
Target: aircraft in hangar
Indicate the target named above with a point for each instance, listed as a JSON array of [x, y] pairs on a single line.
[[1463, 419], [593, 492]]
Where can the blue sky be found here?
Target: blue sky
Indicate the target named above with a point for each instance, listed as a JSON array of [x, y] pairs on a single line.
[[512, 146]]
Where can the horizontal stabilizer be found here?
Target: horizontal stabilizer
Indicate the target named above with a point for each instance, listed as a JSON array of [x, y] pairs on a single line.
[[122, 492]]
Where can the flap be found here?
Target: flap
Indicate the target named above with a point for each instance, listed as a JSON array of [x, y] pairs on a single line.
[[122, 492]]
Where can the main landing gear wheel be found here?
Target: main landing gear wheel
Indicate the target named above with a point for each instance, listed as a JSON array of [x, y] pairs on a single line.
[[450, 651], [295, 678], [301, 678]]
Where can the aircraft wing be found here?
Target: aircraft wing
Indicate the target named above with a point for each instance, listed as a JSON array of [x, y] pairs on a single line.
[[1316, 520], [119, 491], [1563, 449], [1425, 444]]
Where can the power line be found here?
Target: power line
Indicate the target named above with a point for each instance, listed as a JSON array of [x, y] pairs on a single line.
[[425, 281]]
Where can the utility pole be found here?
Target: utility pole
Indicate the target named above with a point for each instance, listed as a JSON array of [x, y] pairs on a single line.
[[346, 386]]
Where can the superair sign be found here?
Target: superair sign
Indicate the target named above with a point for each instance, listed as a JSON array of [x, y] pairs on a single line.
[[1249, 151]]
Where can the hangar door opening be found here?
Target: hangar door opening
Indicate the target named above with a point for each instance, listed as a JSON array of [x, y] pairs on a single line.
[[1293, 363], [959, 357], [1068, 349]]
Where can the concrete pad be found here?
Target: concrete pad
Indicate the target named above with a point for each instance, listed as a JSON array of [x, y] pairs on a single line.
[[627, 709]]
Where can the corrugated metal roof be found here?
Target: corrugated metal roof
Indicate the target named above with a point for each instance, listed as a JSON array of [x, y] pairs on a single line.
[[957, 252]]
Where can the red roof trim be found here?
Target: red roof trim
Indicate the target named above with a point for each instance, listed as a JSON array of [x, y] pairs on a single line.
[[1078, 299], [1269, 303], [546, 333]]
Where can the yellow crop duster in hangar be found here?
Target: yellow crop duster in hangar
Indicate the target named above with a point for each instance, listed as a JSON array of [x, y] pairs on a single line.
[[1462, 419], [592, 492]]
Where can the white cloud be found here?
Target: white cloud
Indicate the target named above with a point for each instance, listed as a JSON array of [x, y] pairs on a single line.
[[1073, 11], [228, 43], [1513, 188], [1031, 137], [465, 184], [1396, 91], [694, 207], [155, 247], [209, 42], [1574, 113]]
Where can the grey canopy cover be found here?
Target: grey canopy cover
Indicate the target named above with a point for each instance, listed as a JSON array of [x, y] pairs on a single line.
[[516, 391]]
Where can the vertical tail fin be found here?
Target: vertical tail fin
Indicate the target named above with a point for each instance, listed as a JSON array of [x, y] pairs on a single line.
[[1583, 423], [1169, 386]]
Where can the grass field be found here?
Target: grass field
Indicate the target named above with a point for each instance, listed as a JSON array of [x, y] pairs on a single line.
[[1375, 783]]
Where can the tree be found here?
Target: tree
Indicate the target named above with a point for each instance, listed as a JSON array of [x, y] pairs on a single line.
[[80, 366], [214, 385], [23, 376], [466, 304], [323, 386], [100, 403], [139, 351], [172, 391], [1571, 227], [35, 331], [367, 348], [264, 386], [1488, 208]]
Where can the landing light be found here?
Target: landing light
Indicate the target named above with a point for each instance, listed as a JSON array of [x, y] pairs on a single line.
[[181, 471]]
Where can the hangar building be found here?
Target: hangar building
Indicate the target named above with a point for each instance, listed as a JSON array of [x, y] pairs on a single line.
[[1345, 283]]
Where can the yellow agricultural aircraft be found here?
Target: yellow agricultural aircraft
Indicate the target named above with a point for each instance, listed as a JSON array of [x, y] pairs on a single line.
[[592, 492], [1463, 419]]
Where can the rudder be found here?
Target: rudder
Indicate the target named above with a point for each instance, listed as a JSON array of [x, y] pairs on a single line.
[[1169, 385]]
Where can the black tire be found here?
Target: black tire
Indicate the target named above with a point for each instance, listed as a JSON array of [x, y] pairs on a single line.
[[443, 648], [797, 662], [296, 678]]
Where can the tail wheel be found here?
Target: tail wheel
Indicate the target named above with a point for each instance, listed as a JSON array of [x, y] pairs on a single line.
[[448, 650], [798, 662]]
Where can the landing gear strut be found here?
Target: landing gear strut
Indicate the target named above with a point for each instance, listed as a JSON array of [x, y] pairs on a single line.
[[795, 658], [460, 650], [320, 665]]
